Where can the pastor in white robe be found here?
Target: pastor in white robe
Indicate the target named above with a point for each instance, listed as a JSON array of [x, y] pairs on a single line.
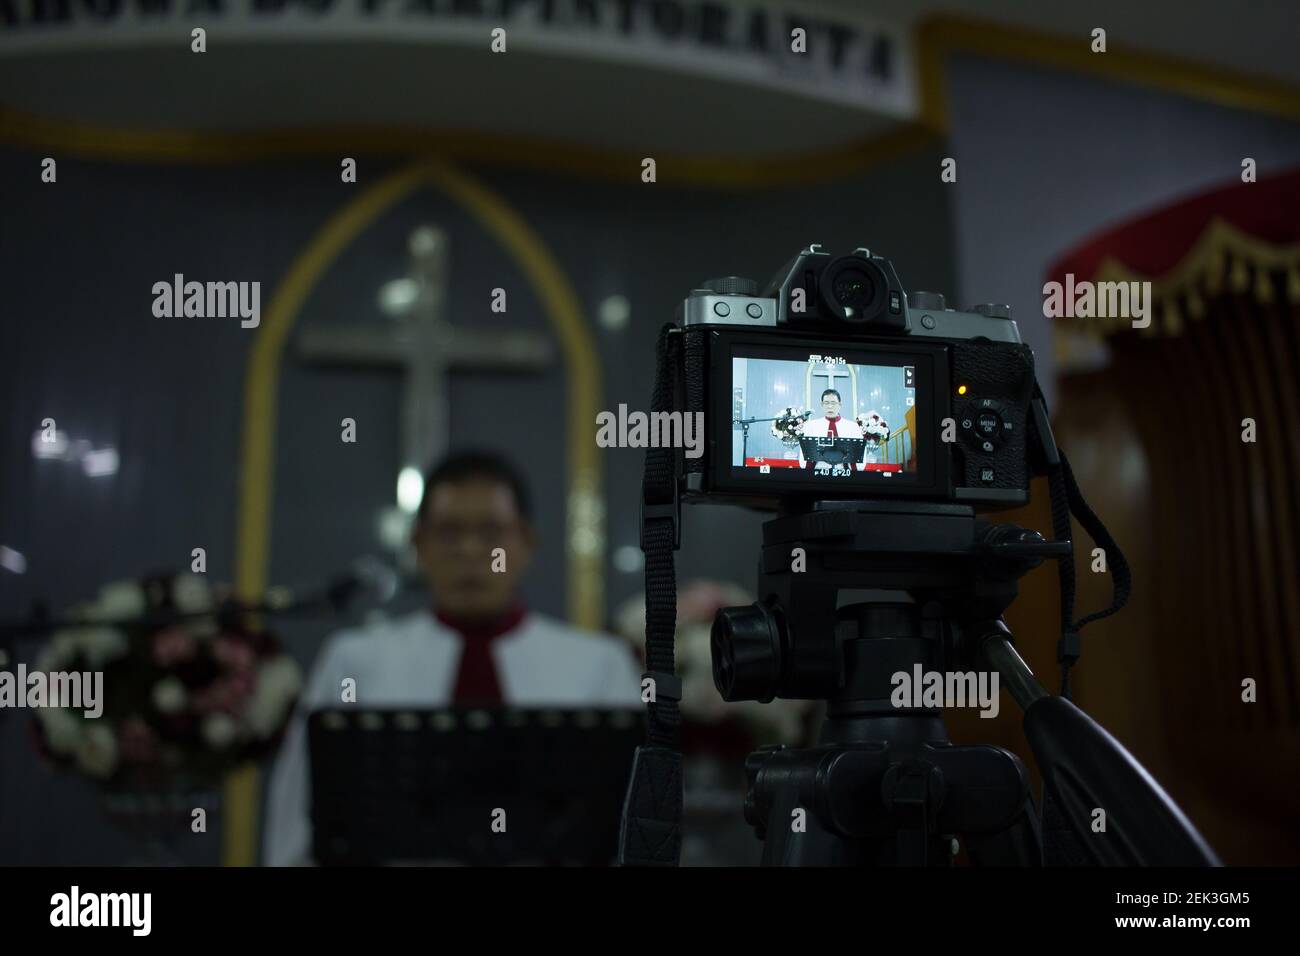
[[413, 661], [821, 428]]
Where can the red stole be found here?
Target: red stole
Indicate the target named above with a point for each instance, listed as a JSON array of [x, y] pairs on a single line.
[[477, 682]]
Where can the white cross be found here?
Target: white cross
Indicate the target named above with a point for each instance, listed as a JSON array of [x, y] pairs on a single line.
[[425, 347], [830, 375]]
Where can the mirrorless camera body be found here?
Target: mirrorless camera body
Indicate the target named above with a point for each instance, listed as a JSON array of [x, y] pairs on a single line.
[[832, 383]]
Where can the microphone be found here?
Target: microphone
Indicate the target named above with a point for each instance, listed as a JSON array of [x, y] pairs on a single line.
[[369, 578]]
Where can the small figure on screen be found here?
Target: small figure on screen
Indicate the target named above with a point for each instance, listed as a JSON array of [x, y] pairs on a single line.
[[831, 425]]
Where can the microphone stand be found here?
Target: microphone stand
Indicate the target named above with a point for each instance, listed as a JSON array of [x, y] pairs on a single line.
[[744, 424], [334, 598]]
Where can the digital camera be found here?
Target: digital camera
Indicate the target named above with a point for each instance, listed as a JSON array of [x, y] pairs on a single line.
[[833, 383]]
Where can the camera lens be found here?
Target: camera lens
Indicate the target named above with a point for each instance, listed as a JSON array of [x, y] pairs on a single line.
[[853, 289]]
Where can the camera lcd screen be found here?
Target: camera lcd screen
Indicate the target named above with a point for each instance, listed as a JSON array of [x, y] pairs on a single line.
[[825, 416]]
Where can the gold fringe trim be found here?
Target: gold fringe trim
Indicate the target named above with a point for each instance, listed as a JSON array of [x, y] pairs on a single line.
[[1240, 275], [1263, 286], [1222, 252], [1173, 318]]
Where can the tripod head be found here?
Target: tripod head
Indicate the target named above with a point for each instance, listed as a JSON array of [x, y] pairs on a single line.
[[938, 559], [858, 598]]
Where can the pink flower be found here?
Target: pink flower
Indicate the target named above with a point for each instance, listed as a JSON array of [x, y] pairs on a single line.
[[171, 646], [233, 654], [137, 743], [228, 694]]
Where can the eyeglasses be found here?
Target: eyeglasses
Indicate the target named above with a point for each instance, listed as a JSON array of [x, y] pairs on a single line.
[[450, 533]]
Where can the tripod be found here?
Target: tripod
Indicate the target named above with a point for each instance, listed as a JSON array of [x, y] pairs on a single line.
[[878, 589]]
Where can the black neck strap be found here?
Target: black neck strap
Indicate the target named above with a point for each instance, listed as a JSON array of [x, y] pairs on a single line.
[[651, 833], [1067, 499]]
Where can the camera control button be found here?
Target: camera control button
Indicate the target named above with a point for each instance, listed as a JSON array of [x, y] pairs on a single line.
[[989, 423], [721, 309], [966, 424], [987, 446], [755, 310], [986, 475]]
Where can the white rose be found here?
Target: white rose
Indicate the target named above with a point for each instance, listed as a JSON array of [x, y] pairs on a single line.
[[97, 751], [101, 645], [694, 648], [219, 730], [63, 729], [121, 599], [630, 620], [169, 695], [278, 683], [203, 628], [191, 594], [57, 652], [701, 700]]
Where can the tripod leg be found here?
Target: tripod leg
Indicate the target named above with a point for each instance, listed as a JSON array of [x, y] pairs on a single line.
[[1020, 844]]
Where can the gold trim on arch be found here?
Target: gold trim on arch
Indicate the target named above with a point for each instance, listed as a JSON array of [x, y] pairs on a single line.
[[940, 36], [584, 537]]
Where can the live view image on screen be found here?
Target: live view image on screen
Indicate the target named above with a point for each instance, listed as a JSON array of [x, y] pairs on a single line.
[[824, 416]]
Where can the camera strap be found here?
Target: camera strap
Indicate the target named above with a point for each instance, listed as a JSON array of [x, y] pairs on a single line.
[[1067, 499], [651, 830]]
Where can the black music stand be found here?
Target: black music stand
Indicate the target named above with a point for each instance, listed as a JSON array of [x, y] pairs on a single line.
[[410, 786], [847, 452]]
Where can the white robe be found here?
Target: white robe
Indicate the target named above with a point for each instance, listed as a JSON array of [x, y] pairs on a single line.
[[413, 661], [821, 428]]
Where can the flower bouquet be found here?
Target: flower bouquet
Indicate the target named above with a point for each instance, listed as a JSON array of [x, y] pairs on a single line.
[[788, 426], [191, 689], [874, 428]]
